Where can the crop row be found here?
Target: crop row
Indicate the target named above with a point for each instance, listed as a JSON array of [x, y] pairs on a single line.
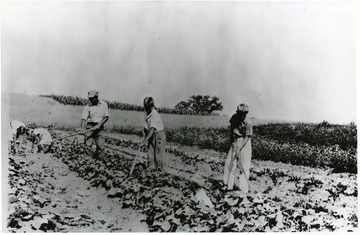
[[303, 134], [267, 149], [322, 134], [306, 155], [168, 200], [168, 203], [263, 149], [27, 201]]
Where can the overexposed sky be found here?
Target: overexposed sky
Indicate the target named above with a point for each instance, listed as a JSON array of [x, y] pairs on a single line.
[[288, 60]]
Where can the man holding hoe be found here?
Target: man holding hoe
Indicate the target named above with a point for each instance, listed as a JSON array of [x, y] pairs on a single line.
[[94, 116]]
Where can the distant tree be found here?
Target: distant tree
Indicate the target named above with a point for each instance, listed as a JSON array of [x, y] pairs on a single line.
[[199, 104], [183, 105]]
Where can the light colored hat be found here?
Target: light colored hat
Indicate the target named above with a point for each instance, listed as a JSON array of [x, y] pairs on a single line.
[[242, 108], [197, 180], [92, 93]]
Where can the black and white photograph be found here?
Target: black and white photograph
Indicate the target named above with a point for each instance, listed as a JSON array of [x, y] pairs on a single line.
[[179, 116]]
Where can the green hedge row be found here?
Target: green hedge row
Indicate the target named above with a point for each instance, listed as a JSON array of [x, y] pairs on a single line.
[[78, 101], [322, 134]]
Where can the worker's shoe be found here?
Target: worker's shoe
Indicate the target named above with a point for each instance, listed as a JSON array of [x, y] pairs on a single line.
[[87, 152], [102, 155], [99, 155]]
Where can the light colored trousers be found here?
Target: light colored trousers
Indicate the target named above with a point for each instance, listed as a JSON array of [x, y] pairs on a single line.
[[156, 151], [231, 171], [97, 135]]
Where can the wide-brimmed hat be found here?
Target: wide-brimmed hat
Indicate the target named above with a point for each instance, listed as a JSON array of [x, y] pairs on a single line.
[[242, 108], [93, 93]]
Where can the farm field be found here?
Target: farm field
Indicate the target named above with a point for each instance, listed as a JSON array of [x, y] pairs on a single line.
[[34, 109], [283, 197]]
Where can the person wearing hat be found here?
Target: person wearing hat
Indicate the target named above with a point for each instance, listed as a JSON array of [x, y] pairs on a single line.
[[94, 116], [240, 133], [155, 137], [17, 129]]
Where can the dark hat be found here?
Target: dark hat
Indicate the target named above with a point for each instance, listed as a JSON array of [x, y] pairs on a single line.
[[149, 102], [242, 108]]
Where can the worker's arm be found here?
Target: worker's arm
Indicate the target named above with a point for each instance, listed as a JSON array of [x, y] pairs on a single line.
[[232, 128], [15, 144], [17, 139], [149, 135], [83, 124], [247, 136], [101, 123], [232, 135], [245, 140], [145, 132], [84, 118]]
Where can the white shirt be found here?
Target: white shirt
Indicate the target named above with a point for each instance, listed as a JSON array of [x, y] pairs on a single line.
[[95, 113], [154, 120], [45, 136], [14, 125]]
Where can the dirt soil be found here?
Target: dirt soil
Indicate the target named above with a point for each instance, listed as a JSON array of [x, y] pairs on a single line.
[[70, 197]]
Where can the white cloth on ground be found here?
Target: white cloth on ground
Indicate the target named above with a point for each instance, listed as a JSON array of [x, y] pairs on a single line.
[[201, 196]]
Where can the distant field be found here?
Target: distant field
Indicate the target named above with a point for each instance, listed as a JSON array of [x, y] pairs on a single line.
[[46, 111]]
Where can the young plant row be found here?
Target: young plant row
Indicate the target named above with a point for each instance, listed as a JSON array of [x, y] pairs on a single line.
[[216, 164], [306, 155], [169, 205], [322, 134], [263, 148], [31, 211], [297, 154]]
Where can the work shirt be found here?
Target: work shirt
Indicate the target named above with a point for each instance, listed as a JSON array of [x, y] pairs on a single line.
[[95, 113], [14, 125], [241, 129], [154, 120], [45, 136]]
